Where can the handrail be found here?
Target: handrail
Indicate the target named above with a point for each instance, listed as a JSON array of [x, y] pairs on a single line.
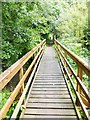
[[18, 66], [82, 95], [76, 58], [17, 108], [8, 74]]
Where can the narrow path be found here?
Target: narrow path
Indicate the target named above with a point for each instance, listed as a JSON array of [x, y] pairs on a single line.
[[49, 97]]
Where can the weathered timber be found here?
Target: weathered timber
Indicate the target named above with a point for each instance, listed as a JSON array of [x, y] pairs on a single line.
[[49, 96]]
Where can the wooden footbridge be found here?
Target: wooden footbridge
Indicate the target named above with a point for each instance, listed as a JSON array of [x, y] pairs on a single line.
[[46, 89]]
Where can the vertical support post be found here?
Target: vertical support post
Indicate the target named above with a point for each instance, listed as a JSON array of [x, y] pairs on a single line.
[[64, 61], [22, 88], [20, 77], [79, 74], [41, 45], [39, 49], [33, 56]]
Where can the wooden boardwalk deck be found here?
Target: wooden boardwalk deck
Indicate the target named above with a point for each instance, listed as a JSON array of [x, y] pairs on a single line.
[[49, 96]]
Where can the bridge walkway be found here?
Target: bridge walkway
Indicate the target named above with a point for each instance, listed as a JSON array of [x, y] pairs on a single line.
[[49, 96]]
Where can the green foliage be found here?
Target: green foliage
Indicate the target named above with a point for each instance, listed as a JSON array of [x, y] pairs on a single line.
[[12, 108], [24, 24], [73, 27], [3, 97]]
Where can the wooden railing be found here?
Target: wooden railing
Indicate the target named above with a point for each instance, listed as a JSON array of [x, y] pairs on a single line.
[[82, 94], [8, 74]]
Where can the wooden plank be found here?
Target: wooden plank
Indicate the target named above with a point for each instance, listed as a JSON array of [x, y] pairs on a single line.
[[50, 75], [46, 78], [44, 100], [50, 78], [50, 96], [49, 92], [50, 111], [44, 74], [49, 89], [61, 84], [47, 72], [49, 105], [49, 81], [49, 86], [57, 117], [21, 73]]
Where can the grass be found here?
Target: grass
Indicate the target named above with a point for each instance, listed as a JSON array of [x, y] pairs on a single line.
[[4, 95]]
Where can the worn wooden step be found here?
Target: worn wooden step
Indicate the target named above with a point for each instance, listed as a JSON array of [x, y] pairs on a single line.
[[50, 96], [48, 80], [49, 88], [49, 92], [62, 84], [49, 105], [45, 117], [50, 112], [49, 75], [45, 100]]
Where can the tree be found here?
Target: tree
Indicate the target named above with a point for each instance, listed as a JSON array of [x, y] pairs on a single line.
[[24, 24]]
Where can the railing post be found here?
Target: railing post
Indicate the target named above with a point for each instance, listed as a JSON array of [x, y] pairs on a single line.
[[39, 48], [79, 74], [20, 77], [65, 61], [33, 56]]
